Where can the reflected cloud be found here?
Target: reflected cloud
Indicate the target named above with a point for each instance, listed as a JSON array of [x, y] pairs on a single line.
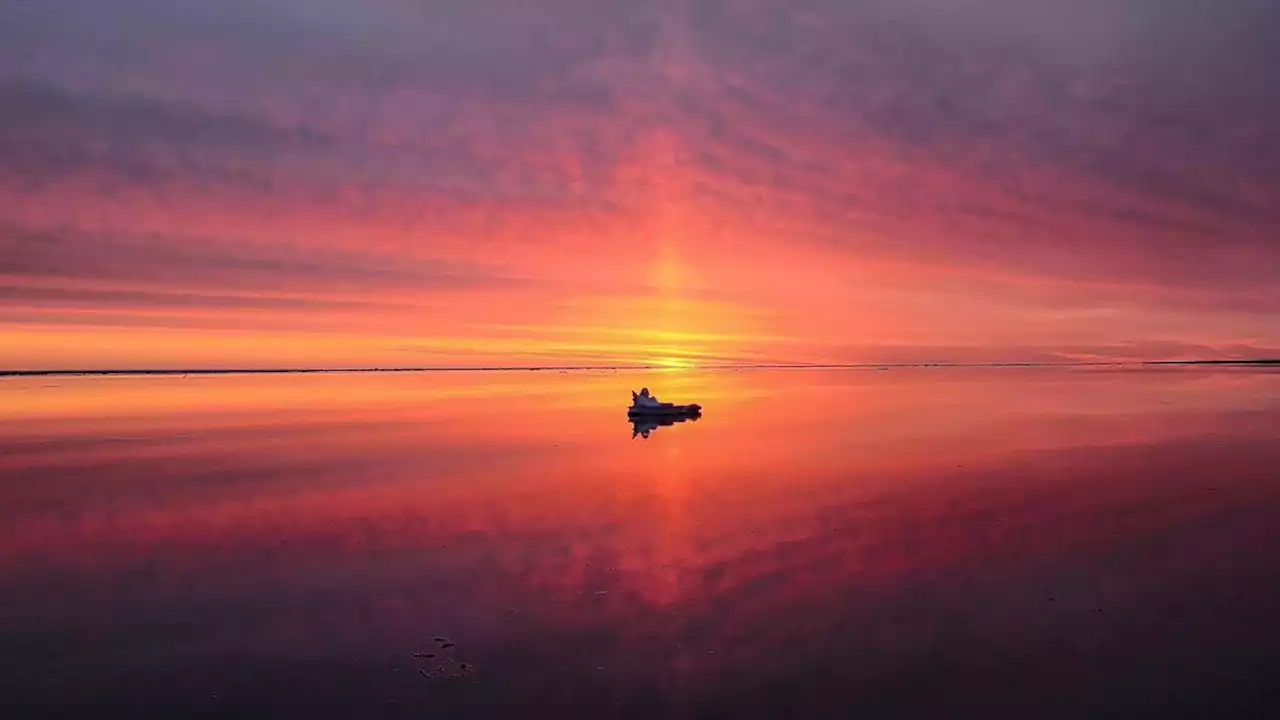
[[891, 525]]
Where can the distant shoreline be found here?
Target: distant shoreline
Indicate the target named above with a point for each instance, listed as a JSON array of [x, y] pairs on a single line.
[[585, 368]]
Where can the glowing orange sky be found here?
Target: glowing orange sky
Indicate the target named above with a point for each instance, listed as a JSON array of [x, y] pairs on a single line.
[[594, 183]]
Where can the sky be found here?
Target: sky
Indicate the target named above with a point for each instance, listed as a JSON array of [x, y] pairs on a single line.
[[334, 183]]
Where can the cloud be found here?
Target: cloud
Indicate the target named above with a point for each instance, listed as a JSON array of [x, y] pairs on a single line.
[[201, 264], [1066, 156]]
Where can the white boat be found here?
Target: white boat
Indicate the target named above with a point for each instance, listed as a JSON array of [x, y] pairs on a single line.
[[644, 404]]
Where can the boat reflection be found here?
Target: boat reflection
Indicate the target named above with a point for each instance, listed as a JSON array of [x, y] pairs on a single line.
[[642, 426]]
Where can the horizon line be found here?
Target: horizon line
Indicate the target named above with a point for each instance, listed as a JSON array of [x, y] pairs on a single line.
[[651, 367]]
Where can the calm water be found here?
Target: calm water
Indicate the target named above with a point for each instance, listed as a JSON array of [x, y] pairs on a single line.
[[1016, 543]]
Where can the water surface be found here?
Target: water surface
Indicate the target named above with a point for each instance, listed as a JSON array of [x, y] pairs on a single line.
[[1011, 542]]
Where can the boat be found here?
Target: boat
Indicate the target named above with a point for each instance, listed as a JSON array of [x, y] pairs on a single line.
[[645, 405]]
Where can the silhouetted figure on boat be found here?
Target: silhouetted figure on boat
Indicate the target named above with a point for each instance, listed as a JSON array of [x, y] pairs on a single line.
[[643, 403]]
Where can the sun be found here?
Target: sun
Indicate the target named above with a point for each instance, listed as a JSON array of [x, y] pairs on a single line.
[[674, 363]]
